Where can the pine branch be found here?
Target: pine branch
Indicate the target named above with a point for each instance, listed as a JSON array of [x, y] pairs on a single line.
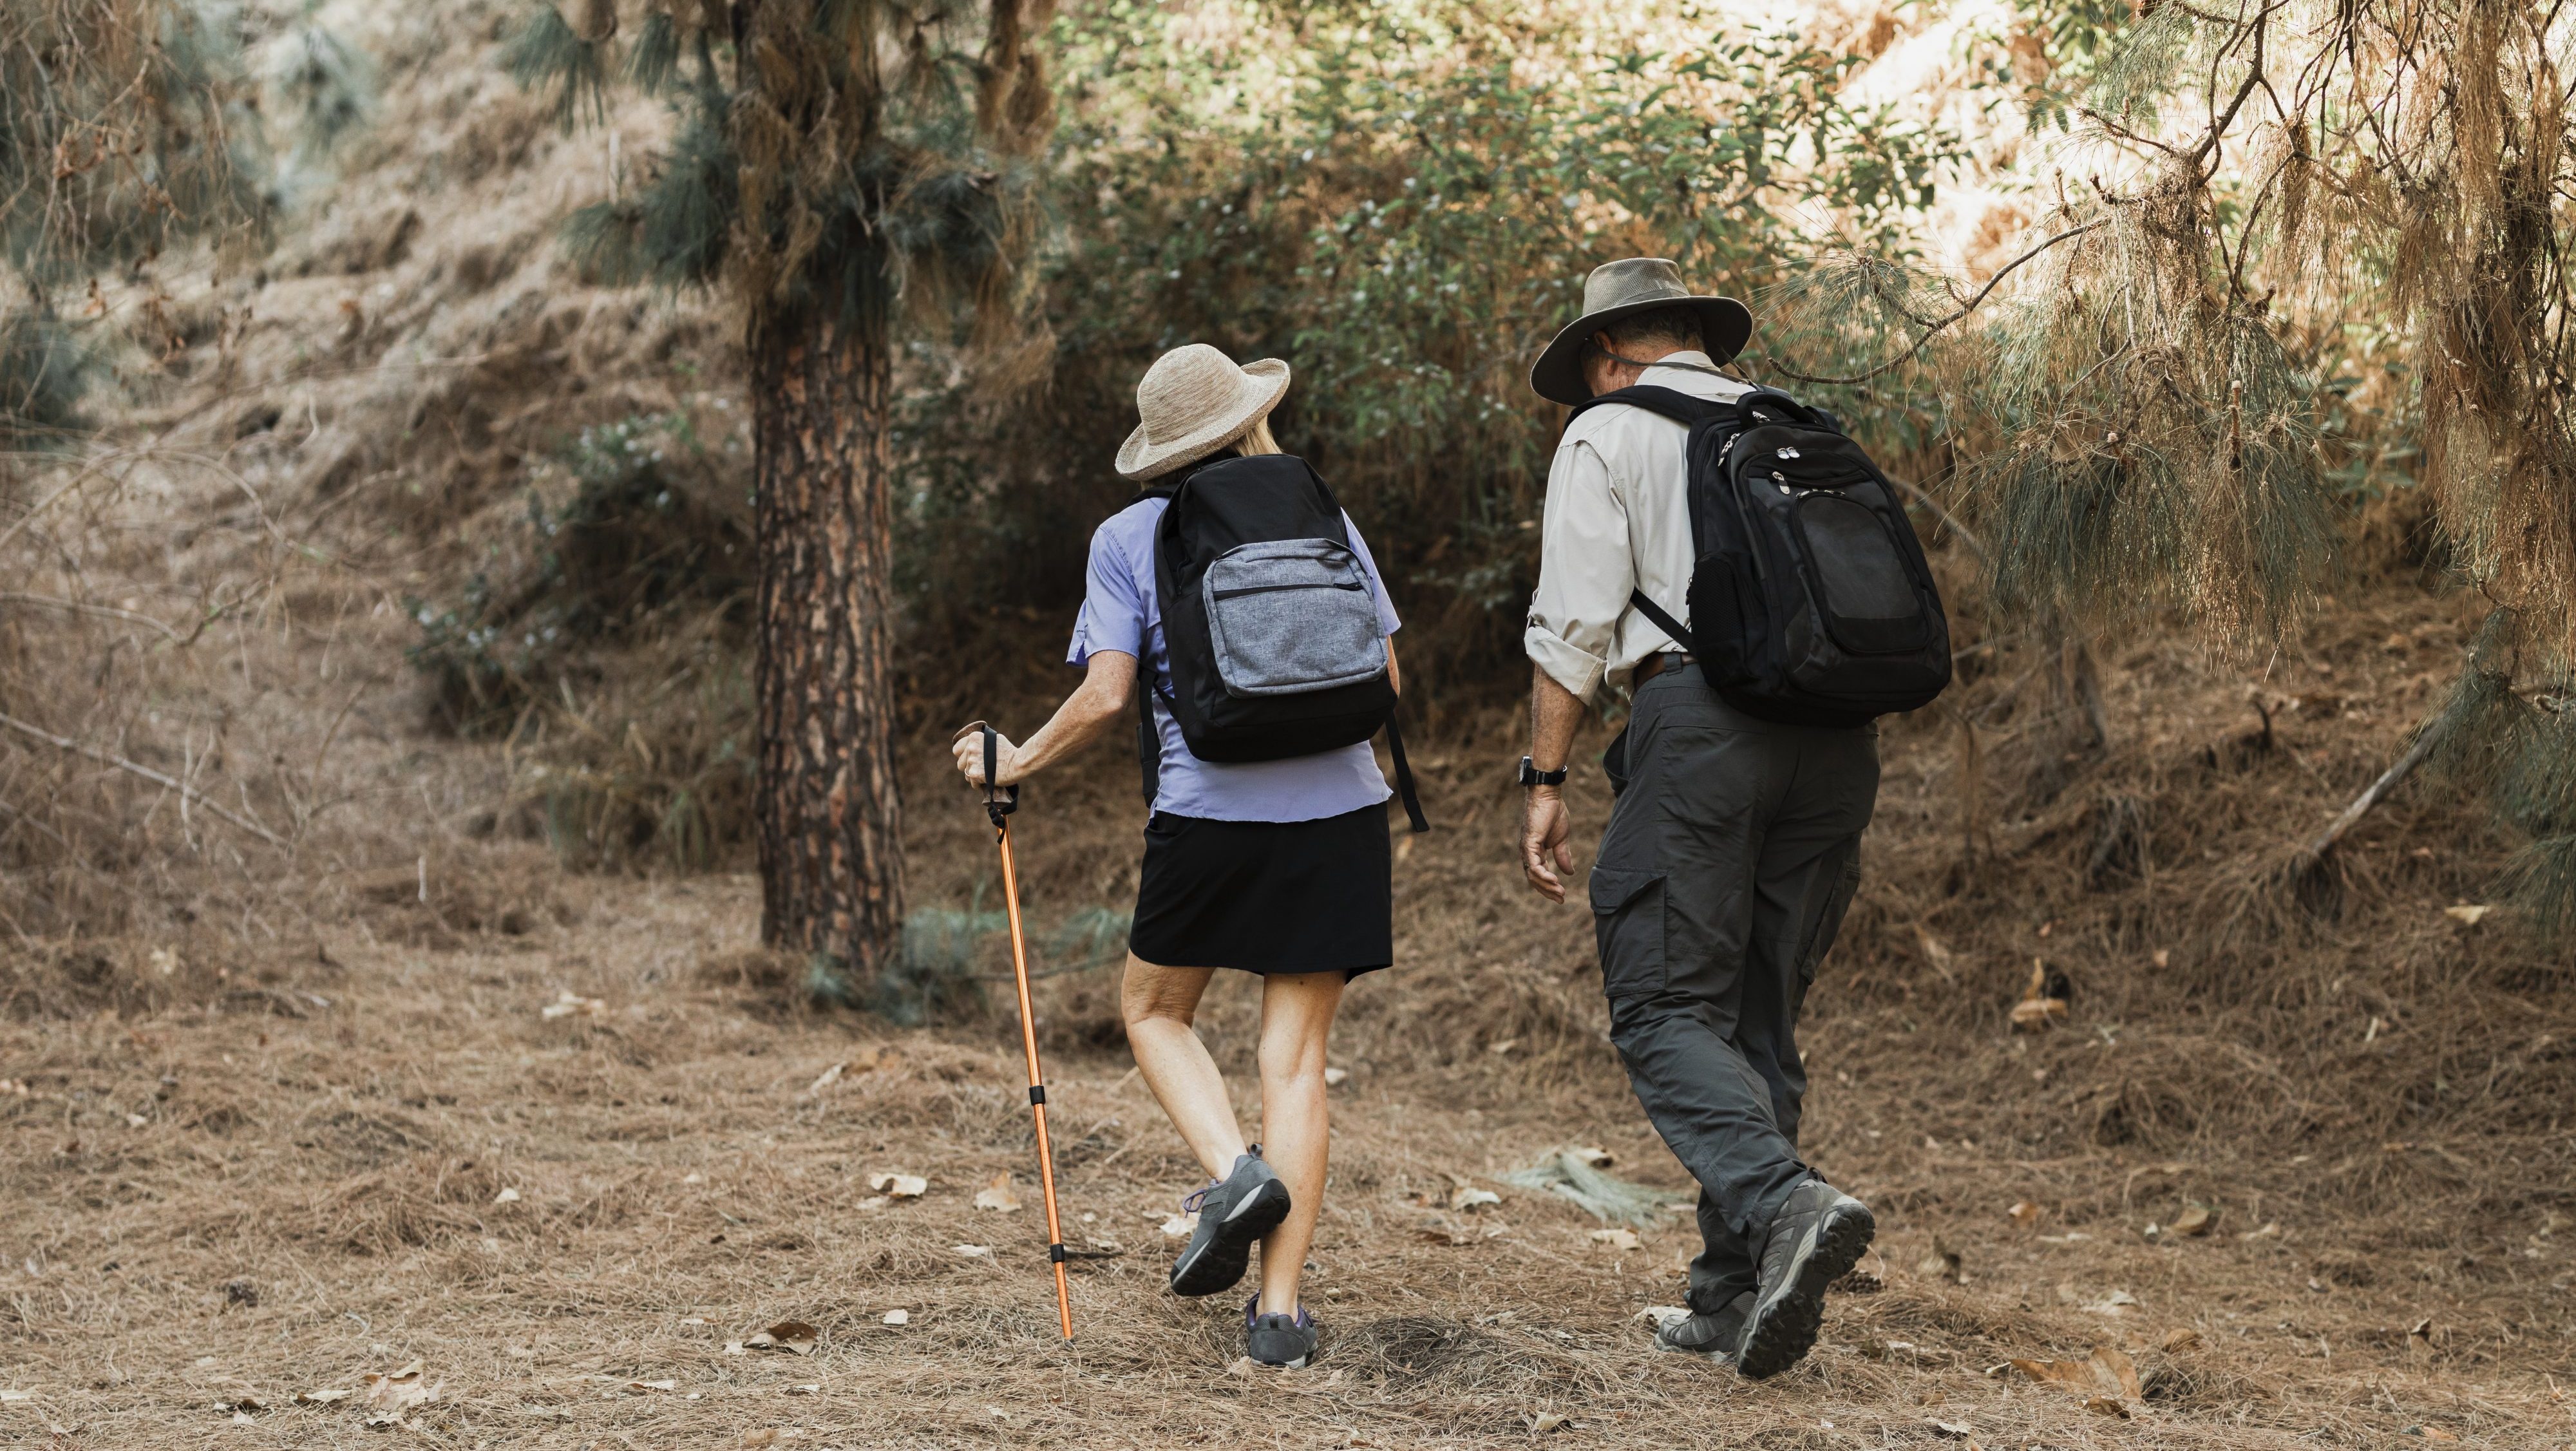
[[1962, 311]]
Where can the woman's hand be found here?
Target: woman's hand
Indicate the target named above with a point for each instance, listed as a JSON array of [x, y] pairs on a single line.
[[970, 759]]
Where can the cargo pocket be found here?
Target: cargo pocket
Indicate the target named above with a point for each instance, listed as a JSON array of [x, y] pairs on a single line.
[[1628, 919], [1828, 921]]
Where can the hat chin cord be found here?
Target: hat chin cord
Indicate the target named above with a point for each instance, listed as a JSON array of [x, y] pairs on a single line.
[[1663, 362]]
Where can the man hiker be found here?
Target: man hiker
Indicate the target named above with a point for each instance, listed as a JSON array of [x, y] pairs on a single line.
[[1734, 845]]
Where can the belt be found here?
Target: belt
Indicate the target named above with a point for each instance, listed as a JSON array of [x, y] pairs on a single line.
[[1653, 665]]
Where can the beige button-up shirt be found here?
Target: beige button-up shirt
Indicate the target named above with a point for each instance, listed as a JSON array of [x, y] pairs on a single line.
[[1618, 519]]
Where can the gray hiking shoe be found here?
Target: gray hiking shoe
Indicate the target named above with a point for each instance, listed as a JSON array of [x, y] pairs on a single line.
[[1233, 1212], [1815, 1239], [1714, 1337], [1286, 1341]]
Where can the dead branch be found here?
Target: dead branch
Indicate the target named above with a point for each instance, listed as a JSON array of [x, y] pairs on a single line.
[[2360, 807], [81, 607], [188, 794]]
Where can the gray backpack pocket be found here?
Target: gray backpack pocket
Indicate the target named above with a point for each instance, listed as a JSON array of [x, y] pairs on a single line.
[[1290, 616]]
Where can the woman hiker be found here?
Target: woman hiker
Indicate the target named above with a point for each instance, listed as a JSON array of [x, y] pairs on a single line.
[[1278, 867]]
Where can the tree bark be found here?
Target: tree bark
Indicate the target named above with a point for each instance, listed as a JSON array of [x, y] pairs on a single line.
[[828, 815]]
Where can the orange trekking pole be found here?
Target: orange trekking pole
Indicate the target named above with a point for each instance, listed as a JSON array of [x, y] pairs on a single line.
[[999, 803]]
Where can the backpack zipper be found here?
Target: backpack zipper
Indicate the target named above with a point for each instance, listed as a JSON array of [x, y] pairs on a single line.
[[1263, 589]]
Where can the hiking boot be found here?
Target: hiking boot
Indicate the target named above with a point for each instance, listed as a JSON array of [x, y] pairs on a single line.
[[1233, 1212], [1815, 1239], [1714, 1337], [1286, 1341]]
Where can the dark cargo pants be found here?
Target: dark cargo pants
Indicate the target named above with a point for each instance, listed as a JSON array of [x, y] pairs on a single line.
[[1731, 856]]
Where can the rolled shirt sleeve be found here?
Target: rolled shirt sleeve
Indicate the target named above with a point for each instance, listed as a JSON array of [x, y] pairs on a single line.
[[1113, 608], [1585, 573]]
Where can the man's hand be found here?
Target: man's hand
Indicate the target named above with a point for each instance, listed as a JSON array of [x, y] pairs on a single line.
[[970, 759], [1545, 829]]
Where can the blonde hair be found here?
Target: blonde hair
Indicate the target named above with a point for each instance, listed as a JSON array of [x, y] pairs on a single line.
[[1257, 439]]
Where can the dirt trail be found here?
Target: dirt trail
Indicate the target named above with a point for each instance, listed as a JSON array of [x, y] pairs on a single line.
[[356, 1154]]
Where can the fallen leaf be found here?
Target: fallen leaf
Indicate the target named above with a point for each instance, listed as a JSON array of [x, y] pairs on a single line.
[[2107, 1406], [1596, 1157], [31, 1395], [997, 1195], [399, 1391], [2193, 1222], [2181, 1340], [1503, 1047], [829, 1077], [1617, 1239], [2118, 1302], [875, 1201], [733, 1347], [2270, 1230], [899, 1186], [794, 1336], [321, 1398], [1242, 1365], [804, 1390], [650, 1387], [1943, 1263], [568, 1003], [1956, 1430], [1545, 1423], [2163, 957], [2023, 1212], [1180, 1225], [1336, 1077], [1935, 953], [383, 1422], [2106, 1374], [2466, 915], [974, 1251], [2032, 1014], [1467, 1196], [898, 1317], [506, 1196]]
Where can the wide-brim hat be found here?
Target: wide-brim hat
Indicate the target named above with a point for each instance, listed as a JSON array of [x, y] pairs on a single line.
[[1622, 289], [1194, 401]]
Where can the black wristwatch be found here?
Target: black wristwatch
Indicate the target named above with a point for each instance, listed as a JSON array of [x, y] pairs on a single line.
[[1531, 775]]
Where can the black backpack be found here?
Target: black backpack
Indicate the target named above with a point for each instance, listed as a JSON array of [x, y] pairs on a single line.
[[1810, 602], [1269, 622]]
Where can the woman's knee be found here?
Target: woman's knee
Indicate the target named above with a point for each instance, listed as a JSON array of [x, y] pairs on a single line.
[[1160, 994], [1289, 1054]]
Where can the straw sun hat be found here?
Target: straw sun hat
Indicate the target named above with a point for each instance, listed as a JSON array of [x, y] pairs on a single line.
[[1194, 401]]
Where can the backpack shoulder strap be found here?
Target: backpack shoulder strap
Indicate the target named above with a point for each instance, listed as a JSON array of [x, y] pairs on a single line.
[[1671, 403]]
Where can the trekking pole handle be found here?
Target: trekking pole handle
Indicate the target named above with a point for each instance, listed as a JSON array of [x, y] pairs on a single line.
[[999, 801]]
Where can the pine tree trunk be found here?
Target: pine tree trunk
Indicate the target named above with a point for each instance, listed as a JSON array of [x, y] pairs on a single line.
[[828, 815]]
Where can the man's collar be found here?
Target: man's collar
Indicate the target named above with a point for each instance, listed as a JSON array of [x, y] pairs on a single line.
[[1692, 356]]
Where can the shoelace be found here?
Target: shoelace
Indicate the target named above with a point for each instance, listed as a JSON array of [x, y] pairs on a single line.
[[1191, 1202]]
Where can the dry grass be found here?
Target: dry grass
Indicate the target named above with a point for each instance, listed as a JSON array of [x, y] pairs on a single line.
[[326, 1122], [338, 1059]]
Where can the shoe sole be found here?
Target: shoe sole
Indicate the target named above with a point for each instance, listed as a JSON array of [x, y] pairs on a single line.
[[1783, 1330], [1216, 1265]]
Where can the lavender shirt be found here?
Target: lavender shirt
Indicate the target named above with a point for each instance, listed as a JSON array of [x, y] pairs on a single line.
[[1119, 612]]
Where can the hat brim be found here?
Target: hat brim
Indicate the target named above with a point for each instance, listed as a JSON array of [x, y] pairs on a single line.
[[1265, 383], [1724, 326]]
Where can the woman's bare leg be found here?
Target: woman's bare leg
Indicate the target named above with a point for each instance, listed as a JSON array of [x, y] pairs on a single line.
[[1296, 1018], [1160, 1004]]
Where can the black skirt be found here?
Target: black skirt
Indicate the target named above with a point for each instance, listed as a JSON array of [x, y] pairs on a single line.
[[1267, 896]]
